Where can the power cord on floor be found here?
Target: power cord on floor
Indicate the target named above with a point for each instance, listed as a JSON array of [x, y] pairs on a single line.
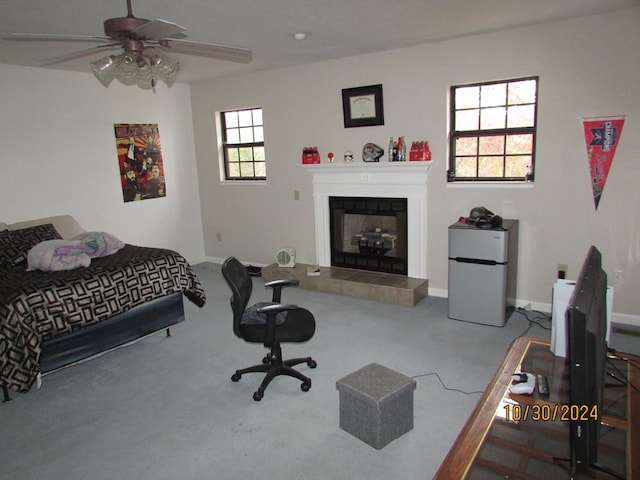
[[536, 321], [444, 386]]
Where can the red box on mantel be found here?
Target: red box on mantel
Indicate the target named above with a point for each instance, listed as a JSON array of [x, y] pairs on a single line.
[[310, 155], [420, 152]]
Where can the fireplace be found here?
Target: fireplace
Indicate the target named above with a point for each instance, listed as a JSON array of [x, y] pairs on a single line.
[[382, 180], [369, 233]]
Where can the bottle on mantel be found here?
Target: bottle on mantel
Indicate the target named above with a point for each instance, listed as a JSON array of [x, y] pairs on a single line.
[[390, 151], [401, 150]]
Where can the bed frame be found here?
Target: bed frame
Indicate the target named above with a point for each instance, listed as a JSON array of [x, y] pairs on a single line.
[[131, 325], [116, 331]]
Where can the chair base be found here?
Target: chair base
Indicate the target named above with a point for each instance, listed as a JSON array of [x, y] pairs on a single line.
[[273, 365]]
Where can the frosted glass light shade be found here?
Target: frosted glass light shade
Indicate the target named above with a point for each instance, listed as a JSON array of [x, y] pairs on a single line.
[[130, 70]]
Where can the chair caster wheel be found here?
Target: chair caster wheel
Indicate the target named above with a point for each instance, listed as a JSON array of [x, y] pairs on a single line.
[[235, 377], [312, 364], [257, 396], [267, 359], [305, 386]]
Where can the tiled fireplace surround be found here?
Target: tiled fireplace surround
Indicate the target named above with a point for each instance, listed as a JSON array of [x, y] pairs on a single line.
[[389, 180]]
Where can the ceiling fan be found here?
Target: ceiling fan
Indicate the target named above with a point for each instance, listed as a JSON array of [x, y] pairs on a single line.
[[142, 42]]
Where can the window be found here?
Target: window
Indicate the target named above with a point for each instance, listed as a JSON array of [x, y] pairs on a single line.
[[493, 131], [243, 144]]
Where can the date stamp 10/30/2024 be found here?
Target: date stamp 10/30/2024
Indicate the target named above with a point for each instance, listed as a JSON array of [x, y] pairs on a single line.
[[549, 412]]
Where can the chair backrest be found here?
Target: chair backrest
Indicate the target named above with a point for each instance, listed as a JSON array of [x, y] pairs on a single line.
[[241, 284]]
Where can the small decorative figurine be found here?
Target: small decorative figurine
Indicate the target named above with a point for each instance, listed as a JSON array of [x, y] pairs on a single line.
[[348, 156], [330, 155]]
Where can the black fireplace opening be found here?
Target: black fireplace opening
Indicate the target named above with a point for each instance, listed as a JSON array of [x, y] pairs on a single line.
[[369, 233]]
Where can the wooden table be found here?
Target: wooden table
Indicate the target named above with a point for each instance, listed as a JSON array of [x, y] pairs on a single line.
[[489, 443]]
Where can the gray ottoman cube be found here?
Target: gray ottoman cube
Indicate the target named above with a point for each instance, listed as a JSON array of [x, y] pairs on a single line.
[[376, 404]]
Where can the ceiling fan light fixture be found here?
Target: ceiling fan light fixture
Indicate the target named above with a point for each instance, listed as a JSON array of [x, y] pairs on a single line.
[[164, 68], [132, 69], [104, 70]]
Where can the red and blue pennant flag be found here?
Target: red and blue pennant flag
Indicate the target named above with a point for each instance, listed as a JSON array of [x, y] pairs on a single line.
[[601, 135]]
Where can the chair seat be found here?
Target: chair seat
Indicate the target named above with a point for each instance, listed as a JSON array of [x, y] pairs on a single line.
[[299, 327]]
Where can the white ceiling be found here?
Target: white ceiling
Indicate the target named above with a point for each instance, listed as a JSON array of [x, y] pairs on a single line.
[[338, 28]]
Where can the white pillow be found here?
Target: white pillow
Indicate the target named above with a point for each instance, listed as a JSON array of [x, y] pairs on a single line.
[[99, 244], [57, 255]]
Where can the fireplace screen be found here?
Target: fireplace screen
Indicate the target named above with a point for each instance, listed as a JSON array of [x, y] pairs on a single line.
[[369, 233]]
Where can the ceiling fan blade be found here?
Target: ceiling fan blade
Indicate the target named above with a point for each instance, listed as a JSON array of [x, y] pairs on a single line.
[[52, 37], [80, 53], [159, 29], [211, 50]]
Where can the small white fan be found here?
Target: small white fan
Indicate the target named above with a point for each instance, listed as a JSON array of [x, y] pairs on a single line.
[[286, 257]]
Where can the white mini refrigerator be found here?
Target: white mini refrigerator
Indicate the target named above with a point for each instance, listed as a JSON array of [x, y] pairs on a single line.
[[483, 267]]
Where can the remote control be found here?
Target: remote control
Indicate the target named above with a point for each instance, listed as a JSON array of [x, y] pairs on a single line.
[[543, 386]]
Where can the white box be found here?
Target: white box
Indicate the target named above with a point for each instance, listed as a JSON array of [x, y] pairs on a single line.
[[562, 291]]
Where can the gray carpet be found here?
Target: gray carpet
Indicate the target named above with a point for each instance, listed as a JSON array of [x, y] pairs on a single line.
[[165, 408]]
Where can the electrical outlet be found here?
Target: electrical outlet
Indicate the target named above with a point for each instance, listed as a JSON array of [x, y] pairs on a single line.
[[219, 236], [562, 270], [296, 194], [617, 277]]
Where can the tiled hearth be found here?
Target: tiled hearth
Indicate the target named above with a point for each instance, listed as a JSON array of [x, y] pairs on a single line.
[[381, 287]]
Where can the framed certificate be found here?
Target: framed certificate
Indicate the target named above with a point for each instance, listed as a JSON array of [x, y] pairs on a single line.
[[362, 106]]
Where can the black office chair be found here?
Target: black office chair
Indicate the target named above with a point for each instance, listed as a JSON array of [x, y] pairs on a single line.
[[269, 324]]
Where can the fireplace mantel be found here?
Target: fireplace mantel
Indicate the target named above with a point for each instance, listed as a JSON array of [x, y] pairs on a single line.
[[384, 179]]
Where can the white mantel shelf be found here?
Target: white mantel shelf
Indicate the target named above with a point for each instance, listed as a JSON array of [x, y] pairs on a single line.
[[373, 179]]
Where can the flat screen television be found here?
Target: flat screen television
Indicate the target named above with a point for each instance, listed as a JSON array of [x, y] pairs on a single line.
[[586, 316]]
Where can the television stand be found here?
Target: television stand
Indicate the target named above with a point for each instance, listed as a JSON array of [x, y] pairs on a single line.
[[515, 436]]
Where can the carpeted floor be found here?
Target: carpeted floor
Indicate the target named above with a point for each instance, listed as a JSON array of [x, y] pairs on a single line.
[[165, 408]]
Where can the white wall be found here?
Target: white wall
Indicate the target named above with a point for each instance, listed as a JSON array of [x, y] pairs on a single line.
[[59, 156], [587, 67]]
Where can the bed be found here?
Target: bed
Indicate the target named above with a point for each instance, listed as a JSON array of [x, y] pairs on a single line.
[[49, 319]]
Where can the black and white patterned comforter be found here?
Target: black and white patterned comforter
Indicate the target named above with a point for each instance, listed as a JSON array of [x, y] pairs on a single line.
[[36, 306]]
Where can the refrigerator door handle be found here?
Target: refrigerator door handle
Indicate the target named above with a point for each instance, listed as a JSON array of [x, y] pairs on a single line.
[[475, 260]]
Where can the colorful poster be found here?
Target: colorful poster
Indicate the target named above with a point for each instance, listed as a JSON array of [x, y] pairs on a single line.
[[140, 161], [602, 135]]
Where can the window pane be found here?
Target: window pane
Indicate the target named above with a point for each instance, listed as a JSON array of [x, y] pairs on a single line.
[[246, 154], [246, 135], [261, 169], [522, 92], [467, 97], [490, 167], [493, 95], [258, 134], [467, 146], [234, 169], [492, 118], [246, 169], [467, 120], [519, 144], [233, 136], [231, 119], [521, 116], [466, 166], [233, 155], [517, 166], [244, 118], [258, 154], [491, 145], [257, 116]]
